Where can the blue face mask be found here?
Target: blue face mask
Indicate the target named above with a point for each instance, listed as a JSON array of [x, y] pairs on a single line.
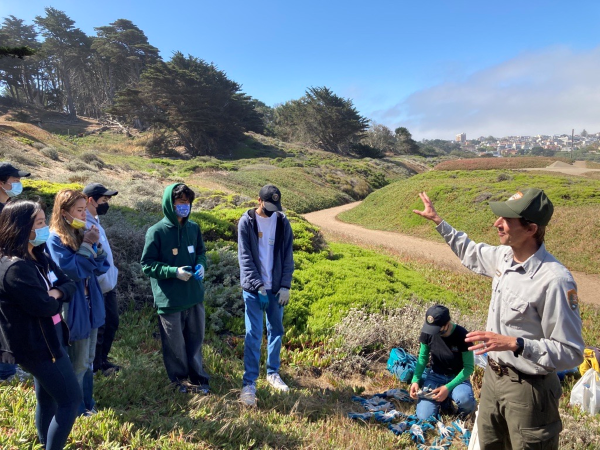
[[182, 210], [41, 236], [15, 189]]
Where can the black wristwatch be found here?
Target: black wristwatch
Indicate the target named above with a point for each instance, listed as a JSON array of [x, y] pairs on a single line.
[[520, 347]]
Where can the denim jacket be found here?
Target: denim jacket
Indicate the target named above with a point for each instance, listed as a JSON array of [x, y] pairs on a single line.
[[82, 316]]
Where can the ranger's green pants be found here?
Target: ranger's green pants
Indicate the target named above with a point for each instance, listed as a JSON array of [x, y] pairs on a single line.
[[519, 412]]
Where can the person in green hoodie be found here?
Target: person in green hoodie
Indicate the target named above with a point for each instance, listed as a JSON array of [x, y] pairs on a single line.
[[174, 259]]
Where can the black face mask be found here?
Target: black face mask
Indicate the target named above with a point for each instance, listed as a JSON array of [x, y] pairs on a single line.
[[268, 213], [102, 209]]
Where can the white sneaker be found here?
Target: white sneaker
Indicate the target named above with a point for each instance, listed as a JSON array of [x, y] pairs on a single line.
[[275, 380], [248, 396]]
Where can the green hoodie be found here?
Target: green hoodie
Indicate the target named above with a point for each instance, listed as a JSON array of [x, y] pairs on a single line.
[[170, 245]]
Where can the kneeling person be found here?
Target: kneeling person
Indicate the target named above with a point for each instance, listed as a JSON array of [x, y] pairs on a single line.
[[451, 366]]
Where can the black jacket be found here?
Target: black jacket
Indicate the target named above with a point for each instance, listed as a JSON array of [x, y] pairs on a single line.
[[26, 326]]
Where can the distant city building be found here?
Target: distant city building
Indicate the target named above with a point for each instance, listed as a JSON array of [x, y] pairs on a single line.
[[462, 137]]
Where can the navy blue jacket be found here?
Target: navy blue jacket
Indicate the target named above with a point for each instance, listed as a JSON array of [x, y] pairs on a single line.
[[283, 259]]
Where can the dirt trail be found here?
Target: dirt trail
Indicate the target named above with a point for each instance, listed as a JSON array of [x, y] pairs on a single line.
[[588, 285], [578, 168]]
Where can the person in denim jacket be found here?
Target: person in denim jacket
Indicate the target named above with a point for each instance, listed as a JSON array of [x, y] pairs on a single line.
[[78, 253]]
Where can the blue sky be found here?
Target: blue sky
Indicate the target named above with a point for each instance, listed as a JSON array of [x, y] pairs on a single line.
[[437, 67]]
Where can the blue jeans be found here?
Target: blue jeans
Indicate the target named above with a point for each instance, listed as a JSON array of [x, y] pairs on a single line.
[[82, 354], [58, 397], [462, 395], [7, 370], [254, 331], [182, 336]]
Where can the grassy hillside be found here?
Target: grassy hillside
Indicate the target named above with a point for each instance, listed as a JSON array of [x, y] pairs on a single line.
[[462, 198], [309, 179], [500, 163]]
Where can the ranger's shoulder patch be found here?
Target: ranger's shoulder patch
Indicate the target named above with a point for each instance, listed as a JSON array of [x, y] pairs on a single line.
[[573, 299]]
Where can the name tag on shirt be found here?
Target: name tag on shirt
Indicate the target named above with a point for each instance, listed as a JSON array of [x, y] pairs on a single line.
[[191, 249], [271, 241], [52, 277]]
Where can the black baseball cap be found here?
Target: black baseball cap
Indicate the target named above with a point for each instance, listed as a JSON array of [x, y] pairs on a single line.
[[271, 196], [97, 190], [8, 170], [531, 204], [435, 318]]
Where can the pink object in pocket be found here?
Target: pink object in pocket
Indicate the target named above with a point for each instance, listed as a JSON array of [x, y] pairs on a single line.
[[56, 318]]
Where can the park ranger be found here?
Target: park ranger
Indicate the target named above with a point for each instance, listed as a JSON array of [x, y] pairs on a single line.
[[533, 325]]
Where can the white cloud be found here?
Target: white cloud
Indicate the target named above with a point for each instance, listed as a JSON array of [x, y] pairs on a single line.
[[548, 92]]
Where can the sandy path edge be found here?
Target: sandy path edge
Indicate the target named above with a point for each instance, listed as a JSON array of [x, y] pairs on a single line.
[[588, 285]]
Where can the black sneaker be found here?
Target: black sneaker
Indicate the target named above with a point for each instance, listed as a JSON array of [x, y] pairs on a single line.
[[109, 368]]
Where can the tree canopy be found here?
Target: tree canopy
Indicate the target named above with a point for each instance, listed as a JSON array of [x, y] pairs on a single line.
[[193, 99], [322, 119]]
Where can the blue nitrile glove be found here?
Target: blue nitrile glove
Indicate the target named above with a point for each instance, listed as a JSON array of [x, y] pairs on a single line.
[[387, 417], [263, 298], [398, 428], [199, 272], [360, 416], [416, 434]]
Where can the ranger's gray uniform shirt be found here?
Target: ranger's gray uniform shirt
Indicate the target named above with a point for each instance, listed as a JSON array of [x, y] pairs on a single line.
[[535, 300]]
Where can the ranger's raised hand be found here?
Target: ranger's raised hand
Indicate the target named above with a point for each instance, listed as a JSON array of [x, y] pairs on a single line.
[[429, 212]]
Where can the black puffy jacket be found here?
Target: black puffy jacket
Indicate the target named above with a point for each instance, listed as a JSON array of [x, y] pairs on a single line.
[[26, 327]]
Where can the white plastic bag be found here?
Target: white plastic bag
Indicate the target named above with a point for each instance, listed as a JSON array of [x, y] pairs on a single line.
[[481, 360], [586, 392]]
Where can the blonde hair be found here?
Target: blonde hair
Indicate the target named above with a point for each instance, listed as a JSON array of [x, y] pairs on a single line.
[[64, 201]]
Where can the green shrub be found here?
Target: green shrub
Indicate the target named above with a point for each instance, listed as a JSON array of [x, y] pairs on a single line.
[[210, 199], [50, 152], [213, 228], [366, 151], [24, 140], [45, 190], [16, 156], [328, 284], [126, 231], [78, 165], [93, 160], [223, 293]]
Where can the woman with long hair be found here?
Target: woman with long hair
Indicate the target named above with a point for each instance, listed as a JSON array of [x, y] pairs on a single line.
[[32, 293], [79, 254]]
